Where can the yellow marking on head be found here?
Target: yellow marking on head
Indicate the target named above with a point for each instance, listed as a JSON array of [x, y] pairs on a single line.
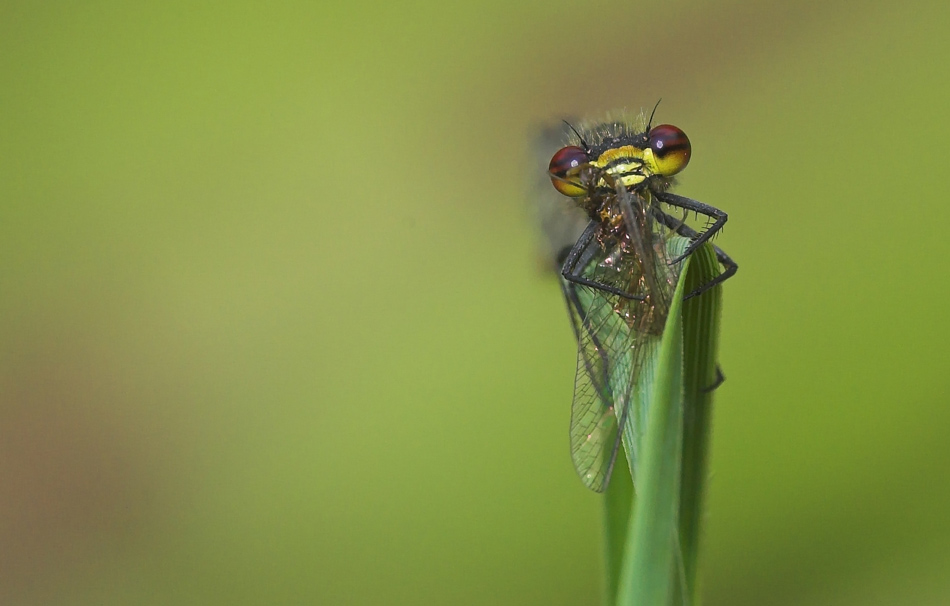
[[632, 179], [617, 153], [649, 160], [629, 173]]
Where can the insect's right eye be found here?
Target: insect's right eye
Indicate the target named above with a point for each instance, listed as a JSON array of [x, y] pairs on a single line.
[[565, 170]]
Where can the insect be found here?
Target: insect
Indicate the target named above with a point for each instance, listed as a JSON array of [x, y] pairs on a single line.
[[619, 277]]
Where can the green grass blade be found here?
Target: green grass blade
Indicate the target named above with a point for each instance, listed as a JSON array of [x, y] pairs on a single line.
[[618, 501], [652, 537], [700, 347], [648, 564]]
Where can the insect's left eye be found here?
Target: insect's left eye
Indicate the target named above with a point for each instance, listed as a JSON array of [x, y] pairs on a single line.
[[671, 149], [565, 170]]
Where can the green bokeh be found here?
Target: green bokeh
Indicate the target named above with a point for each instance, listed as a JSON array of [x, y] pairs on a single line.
[[272, 328]]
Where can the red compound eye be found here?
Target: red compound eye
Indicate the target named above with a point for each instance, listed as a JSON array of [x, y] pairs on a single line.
[[671, 149], [565, 170]]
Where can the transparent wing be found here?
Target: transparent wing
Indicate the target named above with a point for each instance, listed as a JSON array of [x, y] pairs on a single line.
[[615, 335], [593, 423]]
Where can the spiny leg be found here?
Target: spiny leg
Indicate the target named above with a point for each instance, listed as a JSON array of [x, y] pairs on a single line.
[[718, 216], [570, 266], [730, 266]]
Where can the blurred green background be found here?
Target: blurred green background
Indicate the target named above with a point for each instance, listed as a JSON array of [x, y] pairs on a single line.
[[272, 328]]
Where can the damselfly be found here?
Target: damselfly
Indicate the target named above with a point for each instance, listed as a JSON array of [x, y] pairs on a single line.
[[619, 276]]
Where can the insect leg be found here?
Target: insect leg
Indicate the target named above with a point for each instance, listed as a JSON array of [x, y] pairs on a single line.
[[569, 269], [718, 216], [731, 267], [720, 379]]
